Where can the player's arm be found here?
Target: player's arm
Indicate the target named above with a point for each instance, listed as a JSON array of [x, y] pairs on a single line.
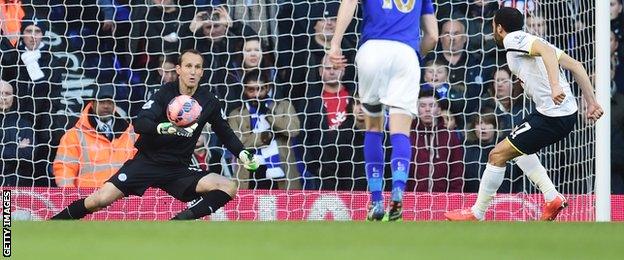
[[226, 135], [549, 56], [579, 73], [345, 15], [430, 37], [429, 26], [146, 122]]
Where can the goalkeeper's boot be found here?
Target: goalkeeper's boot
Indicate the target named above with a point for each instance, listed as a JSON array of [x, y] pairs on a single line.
[[395, 212], [552, 208], [461, 215], [375, 211]]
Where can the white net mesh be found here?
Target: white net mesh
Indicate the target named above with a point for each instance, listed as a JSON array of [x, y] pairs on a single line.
[[132, 47]]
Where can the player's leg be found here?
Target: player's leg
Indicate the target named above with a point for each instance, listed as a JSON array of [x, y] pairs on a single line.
[[215, 191], [401, 97], [491, 180], [374, 159], [100, 199], [493, 176], [535, 171], [372, 66]]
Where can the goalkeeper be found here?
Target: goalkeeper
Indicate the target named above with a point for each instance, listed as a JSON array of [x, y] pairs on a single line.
[[164, 152]]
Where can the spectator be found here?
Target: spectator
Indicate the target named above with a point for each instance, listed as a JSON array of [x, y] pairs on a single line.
[[16, 139], [167, 70], [437, 152], [329, 133], [205, 158], [617, 24], [358, 113], [479, 28], [524, 6], [165, 19], [213, 33], [308, 51], [267, 125], [258, 15], [617, 143], [250, 57], [509, 102], [451, 123], [114, 30], [93, 150], [11, 13], [165, 73], [464, 68], [617, 66], [536, 25], [481, 139], [436, 78], [39, 92]]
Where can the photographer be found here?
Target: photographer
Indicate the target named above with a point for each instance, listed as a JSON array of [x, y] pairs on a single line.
[[213, 33]]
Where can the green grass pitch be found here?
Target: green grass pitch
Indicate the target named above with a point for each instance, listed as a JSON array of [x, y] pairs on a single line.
[[316, 240]]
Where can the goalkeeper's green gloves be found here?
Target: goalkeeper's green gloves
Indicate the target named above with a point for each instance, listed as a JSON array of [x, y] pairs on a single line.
[[250, 161], [171, 129]]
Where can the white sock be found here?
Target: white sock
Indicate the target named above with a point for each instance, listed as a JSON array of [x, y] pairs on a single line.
[[532, 168], [490, 182]]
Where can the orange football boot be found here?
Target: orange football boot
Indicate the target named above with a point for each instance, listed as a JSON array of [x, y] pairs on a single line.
[[461, 215], [552, 209]]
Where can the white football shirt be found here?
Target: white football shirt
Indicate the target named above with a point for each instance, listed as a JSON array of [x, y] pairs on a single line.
[[532, 72]]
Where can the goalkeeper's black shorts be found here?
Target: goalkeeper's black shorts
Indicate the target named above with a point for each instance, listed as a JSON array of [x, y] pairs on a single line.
[[138, 174], [538, 131]]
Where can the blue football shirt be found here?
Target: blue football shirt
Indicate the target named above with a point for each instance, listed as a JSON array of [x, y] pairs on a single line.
[[396, 20]]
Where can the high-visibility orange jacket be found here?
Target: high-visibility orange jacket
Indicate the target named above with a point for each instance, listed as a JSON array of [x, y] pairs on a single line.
[[86, 158], [11, 15]]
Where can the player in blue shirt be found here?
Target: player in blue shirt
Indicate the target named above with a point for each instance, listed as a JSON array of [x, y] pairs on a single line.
[[389, 75]]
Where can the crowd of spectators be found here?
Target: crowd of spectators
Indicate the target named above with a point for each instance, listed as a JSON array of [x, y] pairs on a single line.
[[265, 60]]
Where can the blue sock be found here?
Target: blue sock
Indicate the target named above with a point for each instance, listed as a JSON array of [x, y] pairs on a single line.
[[374, 158], [400, 163]]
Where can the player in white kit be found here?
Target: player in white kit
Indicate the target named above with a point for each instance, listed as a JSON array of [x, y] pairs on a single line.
[[536, 63], [389, 75]]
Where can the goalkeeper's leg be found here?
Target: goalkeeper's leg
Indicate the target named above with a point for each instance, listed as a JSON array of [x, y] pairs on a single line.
[[100, 199], [215, 190]]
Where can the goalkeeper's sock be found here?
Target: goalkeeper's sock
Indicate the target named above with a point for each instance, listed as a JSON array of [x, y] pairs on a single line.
[[211, 202], [75, 210], [401, 154], [535, 171], [374, 158], [490, 182]]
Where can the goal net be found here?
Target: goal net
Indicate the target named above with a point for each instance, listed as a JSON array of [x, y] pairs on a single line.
[[270, 52]]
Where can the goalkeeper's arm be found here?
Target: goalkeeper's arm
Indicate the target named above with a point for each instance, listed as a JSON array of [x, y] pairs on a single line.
[[146, 120], [231, 142]]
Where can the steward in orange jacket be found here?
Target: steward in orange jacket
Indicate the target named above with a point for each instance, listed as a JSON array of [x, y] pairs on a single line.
[[95, 148]]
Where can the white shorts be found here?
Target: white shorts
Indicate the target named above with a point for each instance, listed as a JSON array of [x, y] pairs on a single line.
[[389, 74]]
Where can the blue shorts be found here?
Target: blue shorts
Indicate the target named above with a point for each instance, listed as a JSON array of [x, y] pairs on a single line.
[[538, 131]]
